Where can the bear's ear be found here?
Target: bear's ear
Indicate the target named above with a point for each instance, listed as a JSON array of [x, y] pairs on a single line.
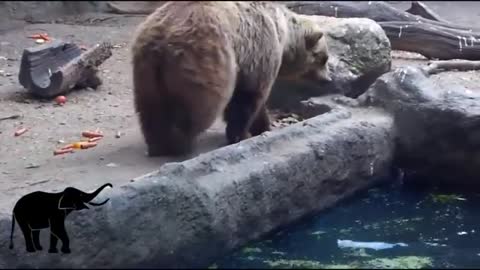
[[312, 39]]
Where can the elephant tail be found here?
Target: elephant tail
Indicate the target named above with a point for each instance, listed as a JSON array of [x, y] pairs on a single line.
[[13, 229]]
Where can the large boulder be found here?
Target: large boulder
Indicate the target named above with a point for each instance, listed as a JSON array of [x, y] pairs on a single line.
[[437, 122], [359, 54]]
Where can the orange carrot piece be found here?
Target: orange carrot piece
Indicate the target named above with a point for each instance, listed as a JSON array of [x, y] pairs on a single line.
[[68, 146], [88, 145], [90, 134], [95, 139], [62, 151], [20, 131]]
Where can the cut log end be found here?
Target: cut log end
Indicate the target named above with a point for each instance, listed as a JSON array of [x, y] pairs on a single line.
[[65, 70]]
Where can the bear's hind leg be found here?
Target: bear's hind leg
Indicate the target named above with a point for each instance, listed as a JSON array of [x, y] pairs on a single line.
[[164, 134], [261, 122], [165, 131], [241, 113]]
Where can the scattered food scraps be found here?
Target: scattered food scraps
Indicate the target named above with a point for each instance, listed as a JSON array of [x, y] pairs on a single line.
[[95, 139], [84, 145], [68, 146], [88, 145], [92, 134], [282, 119], [118, 135], [39, 41], [44, 37], [62, 151], [20, 131], [77, 145], [60, 100]]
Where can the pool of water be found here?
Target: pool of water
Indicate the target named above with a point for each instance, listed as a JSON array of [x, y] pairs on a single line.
[[432, 229]]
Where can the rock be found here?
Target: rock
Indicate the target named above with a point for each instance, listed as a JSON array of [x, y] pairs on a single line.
[[438, 126], [359, 54], [320, 105], [188, 214], [32, 166]]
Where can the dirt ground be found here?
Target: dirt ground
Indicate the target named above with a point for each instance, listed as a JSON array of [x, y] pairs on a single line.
[[27, 162]]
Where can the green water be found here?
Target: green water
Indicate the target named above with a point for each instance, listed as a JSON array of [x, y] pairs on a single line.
[[441, 230]]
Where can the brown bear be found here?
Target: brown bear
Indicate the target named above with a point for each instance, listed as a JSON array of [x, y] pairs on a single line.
[[193, 61]]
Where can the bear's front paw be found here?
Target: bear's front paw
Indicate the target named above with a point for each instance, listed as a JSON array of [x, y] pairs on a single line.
[[232, 139]]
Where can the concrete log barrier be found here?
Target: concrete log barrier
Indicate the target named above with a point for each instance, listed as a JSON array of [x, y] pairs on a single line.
[[188, 214]]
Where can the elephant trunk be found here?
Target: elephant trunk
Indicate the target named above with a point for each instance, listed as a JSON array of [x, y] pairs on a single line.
[[90, 196]]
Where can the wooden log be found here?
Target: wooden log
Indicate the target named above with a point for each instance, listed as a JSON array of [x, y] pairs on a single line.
[[420, 9], [435, 67], [432, 42], [83, 69], [57, 67], [378, 11]]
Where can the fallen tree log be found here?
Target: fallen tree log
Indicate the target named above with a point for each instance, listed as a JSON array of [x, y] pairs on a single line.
[[435, 67], [431, 41], [420, 9], [407, 32], [57, 67], [378, 11]]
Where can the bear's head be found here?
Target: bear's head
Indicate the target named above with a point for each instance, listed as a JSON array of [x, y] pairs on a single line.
[[306, 57]]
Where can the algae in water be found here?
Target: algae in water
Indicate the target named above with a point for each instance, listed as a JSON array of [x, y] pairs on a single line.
[[443, 198], [402, 262], [251, 250], [304, 264]]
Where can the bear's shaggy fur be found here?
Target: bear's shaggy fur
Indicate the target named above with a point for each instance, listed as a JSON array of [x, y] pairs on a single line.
[[193, 61]]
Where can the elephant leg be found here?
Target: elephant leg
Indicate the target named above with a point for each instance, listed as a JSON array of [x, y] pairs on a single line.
[[53, 243], [58, 228], [27, 234], [36, 239]]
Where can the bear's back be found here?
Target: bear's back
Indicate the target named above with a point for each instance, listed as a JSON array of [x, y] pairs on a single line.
[[245, 24]]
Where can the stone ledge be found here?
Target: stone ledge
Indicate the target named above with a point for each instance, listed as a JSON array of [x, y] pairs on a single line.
[[188, 214]]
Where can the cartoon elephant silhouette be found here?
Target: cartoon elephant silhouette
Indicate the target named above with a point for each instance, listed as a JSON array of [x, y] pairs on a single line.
[[39, 210]]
